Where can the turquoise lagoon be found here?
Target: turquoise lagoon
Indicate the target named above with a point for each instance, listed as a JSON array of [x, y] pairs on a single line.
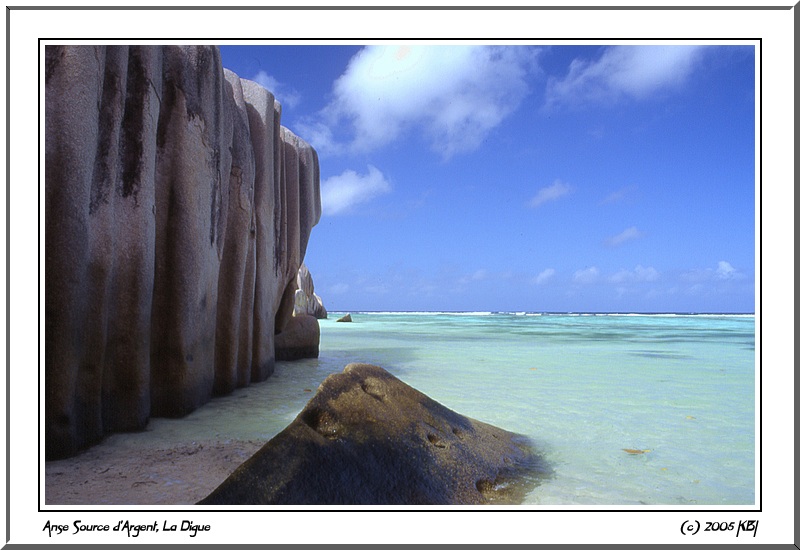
[[582, 387], [585, 387]]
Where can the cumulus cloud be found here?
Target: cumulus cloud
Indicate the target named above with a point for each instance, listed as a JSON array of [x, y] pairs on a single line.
[[639, 274], [452, 95], [629, 234], [544, 276], [550, 193], [341, 193], [623, 71], [725, 270], [285, 95], [586, 276]]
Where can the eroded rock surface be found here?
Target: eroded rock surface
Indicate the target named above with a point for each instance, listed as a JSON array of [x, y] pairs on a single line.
[[368, 438], [299, 339], [177, 215], [306, 302]]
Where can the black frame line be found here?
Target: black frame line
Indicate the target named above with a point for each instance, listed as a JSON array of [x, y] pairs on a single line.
[[362, 40]]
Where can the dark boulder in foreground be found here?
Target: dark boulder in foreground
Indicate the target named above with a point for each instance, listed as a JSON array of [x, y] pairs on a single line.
[[368, 438]]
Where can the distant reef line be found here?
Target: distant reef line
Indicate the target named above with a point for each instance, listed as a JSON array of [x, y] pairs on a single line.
[[178, 211]]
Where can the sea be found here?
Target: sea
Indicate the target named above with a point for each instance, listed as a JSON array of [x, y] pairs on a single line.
[[622, 409]]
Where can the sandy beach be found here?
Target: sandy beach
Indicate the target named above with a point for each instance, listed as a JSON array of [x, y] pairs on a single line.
[[112, 473], [173, 461], [181, 460]]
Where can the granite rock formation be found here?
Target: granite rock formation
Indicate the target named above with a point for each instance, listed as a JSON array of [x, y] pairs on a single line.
[[298, 340], [368, 438], [177, 215], [306, 302], [346, 318]]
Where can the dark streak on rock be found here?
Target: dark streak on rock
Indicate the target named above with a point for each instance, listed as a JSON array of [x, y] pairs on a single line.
[[138, 86], [53, 55], [102, 176]]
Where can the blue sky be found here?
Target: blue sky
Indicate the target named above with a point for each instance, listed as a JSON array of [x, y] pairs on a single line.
[[525, 178]]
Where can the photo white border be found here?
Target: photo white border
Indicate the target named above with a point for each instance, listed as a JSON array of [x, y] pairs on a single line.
[[462, 525]]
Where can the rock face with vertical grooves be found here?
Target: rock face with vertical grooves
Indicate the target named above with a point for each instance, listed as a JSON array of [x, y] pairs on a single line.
[[177, 215], [368, 438]]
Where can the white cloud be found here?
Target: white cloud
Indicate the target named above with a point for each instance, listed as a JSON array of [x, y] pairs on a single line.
[[452, 95], [627, 235], [285, 95], [480, 275], [639, 274], [550, 193], [619, 195], [725, 270], [586, 276], [320, 136], [341, 193], [544, 276], [623, 71]]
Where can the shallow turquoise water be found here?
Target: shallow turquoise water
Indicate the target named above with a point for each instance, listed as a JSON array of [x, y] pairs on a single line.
[[584, 388]]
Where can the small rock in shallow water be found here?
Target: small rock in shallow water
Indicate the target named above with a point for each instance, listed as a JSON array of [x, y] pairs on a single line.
[[636, 451], [346, 319]]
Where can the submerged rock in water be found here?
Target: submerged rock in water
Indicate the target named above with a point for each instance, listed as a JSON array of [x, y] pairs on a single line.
[[368, 438], [345, 319]]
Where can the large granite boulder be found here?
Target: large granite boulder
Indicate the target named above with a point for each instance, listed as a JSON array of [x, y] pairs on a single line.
[[298, 340], [306, 302], [368, 438], [177, 214]]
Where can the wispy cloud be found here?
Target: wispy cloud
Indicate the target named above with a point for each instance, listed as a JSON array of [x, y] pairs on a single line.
[[483, 275], [623, 71], [343, 192], [453, 96], [639, 274], [619, 195], [552, 192], [480, 275], [338, 288], [286, 95], [586, 276], [544, 276], [628, 235], [724, 271]]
